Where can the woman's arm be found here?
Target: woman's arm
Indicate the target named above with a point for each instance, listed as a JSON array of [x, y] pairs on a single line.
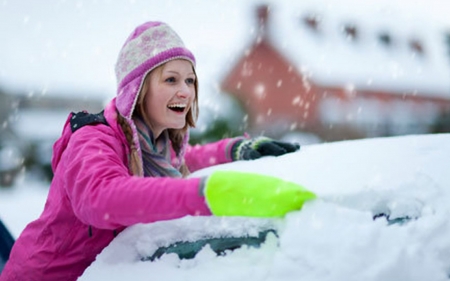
[[104, 195], [202, 156]]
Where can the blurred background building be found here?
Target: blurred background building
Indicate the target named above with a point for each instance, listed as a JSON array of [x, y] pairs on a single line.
[[30, 126], [342, 76]]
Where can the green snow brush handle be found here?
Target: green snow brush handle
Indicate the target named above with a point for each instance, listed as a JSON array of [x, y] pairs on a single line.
[[230, 193]]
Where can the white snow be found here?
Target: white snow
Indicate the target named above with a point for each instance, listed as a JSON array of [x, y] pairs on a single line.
[[22, 203], [331, 238]]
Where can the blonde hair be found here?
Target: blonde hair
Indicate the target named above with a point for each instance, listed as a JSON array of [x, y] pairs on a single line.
[[176, 136]]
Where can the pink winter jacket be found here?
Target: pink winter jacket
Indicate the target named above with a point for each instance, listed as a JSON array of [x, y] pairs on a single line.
[[93, 197]]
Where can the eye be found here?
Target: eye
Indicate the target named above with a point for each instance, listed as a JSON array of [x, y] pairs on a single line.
[[170, 80], [190, 81]]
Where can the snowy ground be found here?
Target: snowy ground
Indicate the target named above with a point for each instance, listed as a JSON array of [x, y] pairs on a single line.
[[332, 238], [22, 203]]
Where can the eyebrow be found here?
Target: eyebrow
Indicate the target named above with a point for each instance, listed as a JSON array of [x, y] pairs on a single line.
[[176, 72]]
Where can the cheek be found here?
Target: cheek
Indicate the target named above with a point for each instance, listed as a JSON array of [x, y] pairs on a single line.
[[148, 103], [193, 95], [153, 103]]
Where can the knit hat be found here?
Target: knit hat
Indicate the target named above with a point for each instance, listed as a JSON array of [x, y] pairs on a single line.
[[149, 46]]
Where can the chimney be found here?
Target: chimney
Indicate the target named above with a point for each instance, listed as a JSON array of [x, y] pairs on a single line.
[[262, 13]]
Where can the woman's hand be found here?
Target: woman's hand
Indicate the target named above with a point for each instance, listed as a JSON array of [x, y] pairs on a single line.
[[230, 193], [250, 149]]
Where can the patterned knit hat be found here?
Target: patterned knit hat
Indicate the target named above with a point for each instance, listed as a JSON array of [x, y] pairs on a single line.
[[149, 46]]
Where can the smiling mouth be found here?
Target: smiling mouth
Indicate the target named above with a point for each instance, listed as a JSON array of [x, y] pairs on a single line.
[[177, 107]]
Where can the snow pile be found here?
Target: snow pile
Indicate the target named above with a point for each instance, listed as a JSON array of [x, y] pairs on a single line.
[[332, 238], [22, 203]]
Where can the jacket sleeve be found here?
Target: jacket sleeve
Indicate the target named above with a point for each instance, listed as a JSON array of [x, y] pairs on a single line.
[[103, 194], [203, 156]]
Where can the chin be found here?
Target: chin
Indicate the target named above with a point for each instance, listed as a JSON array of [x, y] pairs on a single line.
[[178, 126]]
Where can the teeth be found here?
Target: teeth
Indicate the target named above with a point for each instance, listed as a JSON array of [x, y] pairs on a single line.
[[176, 105]]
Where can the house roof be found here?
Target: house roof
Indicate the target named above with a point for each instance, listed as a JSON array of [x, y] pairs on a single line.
[[383, 45]]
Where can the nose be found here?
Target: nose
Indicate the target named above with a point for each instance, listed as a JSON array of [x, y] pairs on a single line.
[[184, 92]]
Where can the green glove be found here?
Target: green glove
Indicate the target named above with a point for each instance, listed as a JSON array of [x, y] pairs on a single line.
[[230, 193]]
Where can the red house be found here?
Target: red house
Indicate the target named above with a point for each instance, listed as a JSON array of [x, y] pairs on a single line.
[[340, 79]]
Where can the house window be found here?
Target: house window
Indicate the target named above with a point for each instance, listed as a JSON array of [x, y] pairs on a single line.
[[417, 47], [350, 31], [385, 39], [312, 21]]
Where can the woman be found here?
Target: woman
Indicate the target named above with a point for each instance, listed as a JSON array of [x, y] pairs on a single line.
[[126, 166]]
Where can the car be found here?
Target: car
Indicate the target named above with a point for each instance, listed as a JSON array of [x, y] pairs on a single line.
[[381, 214], [6, 243]]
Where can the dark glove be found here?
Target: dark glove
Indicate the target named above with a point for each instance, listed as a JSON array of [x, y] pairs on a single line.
[[249, 149]]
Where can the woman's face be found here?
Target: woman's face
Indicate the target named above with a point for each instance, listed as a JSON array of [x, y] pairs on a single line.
[[171, 91]]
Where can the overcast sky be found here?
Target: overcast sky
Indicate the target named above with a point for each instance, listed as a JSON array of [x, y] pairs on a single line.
[[71, 46], [74, 44]]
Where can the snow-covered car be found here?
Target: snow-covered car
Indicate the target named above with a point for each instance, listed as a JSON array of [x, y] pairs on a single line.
[[381, 214]]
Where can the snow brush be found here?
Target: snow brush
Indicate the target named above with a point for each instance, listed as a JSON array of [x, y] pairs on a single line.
[[231, 193]]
